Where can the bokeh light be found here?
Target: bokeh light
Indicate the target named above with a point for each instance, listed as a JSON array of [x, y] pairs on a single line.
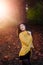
[[11, 12], [3, 10]]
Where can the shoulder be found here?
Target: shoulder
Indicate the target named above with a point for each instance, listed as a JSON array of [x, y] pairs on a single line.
[[20, 34]]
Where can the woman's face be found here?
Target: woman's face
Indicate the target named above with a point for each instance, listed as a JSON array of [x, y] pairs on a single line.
[[22, 27]]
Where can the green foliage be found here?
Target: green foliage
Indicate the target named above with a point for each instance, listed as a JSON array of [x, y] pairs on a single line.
[[30, 13], [35, 13]]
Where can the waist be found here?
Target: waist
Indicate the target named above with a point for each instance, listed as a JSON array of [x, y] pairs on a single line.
[[24, 51]]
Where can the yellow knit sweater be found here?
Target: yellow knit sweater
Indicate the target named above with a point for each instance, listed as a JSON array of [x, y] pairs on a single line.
[[26, 42]]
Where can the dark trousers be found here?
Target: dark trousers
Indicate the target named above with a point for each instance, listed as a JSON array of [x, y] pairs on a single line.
[[26, 59]]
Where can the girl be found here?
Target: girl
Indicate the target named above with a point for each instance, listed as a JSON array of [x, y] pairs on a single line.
[[26, 42]]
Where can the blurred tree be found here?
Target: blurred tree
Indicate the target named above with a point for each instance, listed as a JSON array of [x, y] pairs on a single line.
[[35, 13]]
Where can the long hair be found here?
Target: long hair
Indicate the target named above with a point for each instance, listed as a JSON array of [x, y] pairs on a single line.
[[19, 31]]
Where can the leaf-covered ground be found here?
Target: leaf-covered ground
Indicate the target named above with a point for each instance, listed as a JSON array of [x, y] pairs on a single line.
[[9, 46]]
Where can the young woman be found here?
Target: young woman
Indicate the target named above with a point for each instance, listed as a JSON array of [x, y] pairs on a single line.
[[26, 42]]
